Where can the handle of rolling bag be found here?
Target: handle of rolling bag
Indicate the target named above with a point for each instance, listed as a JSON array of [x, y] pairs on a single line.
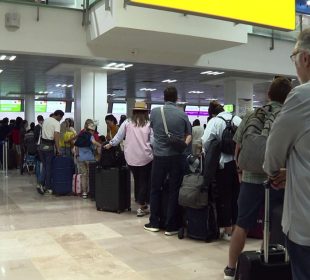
[[267, 185]]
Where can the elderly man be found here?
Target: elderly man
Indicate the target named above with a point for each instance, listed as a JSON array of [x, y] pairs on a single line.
[[288, 146]]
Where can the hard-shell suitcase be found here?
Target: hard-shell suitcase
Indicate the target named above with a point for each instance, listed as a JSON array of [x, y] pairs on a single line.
[[76, 184], [62, 173], [271, 263], [113, 189]]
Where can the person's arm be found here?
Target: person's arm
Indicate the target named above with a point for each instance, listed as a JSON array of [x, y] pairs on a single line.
[[94, 142], [120, 135], [286, 129], [209, 133], [56, 139]]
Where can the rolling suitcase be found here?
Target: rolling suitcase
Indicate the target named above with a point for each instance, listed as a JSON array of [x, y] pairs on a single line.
[[92, 178], [113, 189], [62, 173], [271, 263]]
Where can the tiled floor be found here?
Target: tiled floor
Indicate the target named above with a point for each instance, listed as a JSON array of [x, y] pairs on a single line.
[[62, 238]]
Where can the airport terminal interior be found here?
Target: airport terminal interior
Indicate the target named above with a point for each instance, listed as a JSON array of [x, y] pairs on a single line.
[[90, 58]]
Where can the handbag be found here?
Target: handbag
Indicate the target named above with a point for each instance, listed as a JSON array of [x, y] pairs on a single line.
[[174, 141], [193, 192]]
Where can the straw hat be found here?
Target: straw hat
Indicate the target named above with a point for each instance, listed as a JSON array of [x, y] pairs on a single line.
[[140, 106], [91, 126]]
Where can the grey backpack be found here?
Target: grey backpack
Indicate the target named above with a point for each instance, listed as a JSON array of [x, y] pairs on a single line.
[[254, 138]]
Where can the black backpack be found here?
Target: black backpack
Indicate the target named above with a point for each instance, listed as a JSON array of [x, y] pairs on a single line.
[[83, 140], [227, 143]]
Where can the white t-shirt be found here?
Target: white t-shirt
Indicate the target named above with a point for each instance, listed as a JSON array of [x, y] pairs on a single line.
[[50, 126]]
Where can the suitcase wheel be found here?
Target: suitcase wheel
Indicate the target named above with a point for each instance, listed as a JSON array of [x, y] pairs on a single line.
[[181, 233], [99, 209], [129, 209], [119, 211]]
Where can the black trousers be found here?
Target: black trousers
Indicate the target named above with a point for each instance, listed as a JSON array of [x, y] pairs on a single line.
[[142, 178], [227, 184]]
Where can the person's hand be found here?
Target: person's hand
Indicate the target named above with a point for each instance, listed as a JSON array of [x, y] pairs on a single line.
[[107, 146], [58, 154], [278, 181]]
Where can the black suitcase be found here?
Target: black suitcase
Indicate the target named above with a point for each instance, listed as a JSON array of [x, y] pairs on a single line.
[[92, 178], [113, 189], [271, 263]]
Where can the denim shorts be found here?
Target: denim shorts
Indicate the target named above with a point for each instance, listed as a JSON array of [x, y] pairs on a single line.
[[251, 199]]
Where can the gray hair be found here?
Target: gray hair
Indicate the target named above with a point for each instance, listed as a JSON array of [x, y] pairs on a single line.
[[303, 40]]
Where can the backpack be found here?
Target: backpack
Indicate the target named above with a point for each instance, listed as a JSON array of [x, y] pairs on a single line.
[[83, 140], [252, 152], [30, 143], [227, 143]]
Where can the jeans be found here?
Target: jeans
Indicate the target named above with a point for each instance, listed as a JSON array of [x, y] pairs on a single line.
[[142, 177], [173, 167], [46, 158], [300, 260]]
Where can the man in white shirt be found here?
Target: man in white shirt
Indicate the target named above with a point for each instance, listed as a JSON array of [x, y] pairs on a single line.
[[227, 181], [48, 148]]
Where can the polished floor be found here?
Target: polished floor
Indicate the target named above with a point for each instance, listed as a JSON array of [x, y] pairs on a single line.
[[65, 238]]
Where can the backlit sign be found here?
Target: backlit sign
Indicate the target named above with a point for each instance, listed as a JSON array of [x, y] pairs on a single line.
[[271, 13]]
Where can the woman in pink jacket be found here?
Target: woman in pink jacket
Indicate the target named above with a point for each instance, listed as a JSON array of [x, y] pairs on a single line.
[[138, 152]]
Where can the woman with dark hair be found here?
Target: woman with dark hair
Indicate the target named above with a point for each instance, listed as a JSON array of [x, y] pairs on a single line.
[[138, 152], [112, 127]]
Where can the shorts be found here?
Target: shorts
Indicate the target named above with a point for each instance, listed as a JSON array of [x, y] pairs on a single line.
[[251, 200]]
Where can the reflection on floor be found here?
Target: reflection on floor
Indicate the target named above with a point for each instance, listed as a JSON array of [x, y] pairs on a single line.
[[62, 238]]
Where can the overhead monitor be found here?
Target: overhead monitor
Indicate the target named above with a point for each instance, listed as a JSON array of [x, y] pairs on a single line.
[[192, 110], [119, 108], [302, 7], [40, 106], [276, 14], [10, 105], [203, 111], [52, 106]]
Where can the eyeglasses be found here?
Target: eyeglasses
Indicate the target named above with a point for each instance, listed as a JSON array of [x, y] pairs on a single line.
[[294, 54]]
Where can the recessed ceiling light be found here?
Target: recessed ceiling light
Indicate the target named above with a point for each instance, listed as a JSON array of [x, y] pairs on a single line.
[[111, 64], [256, 101], [58, 85], [12, 57], [2, 57], [211, 99], [63, 85], [69, 86], [196, 91], [1, 71]]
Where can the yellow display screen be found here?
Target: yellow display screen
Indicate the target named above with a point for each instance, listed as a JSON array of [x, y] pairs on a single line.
[[271, 13]]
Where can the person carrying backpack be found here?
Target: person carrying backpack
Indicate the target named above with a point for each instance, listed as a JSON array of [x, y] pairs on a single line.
[[255, 127], [222, 127]]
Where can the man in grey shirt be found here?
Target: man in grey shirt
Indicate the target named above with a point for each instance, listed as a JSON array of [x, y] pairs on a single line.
[[167, 162], [288, 146]]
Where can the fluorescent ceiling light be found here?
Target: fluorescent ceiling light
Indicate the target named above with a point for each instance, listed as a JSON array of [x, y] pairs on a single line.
[[1, 71], [169, 81], [58, 85], [196, 91], [147, 89], [63, 85], [256, 101], [69, 86], [117, 66], [2, 57], [214, 73], [12, 57], [308, 3], [211, 99]]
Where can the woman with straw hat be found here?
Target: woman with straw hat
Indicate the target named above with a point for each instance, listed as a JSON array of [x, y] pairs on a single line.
[[138, 152]]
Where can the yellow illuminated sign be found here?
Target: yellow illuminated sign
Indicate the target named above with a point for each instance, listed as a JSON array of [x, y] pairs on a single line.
[[272, 13]]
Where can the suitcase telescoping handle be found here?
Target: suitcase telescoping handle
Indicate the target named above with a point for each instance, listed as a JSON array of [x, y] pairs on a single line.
[[267, 185]]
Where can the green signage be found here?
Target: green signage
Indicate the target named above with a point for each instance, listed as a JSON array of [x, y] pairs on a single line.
[[40, 106], [229, 108], [10, 105]]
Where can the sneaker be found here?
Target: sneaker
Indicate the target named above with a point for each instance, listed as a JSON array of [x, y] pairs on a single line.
[[84, 195], [229, 273], [150, 227], [170, 233], [226, 236], [48, 192], [40, 189], [140, 212]]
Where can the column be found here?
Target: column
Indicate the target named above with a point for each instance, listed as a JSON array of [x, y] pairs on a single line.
[[90, 95], [29, 108], [131, 92], [130, 101], [240, 94]]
